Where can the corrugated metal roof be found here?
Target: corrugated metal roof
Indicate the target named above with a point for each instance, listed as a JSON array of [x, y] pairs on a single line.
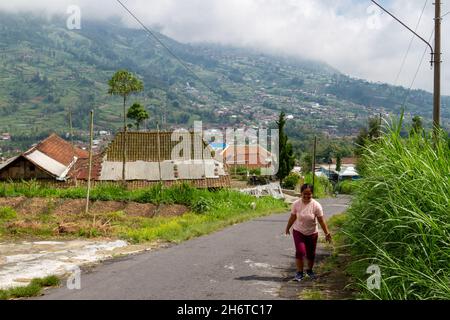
[[348, 172], [7, 162], [53, 155], [139, 170], [170, 170], [46, 163]]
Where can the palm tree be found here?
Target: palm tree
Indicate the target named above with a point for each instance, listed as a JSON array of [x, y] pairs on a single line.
[[123, 84]]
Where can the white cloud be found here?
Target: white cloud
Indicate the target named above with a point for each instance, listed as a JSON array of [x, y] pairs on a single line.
[[339, 32]]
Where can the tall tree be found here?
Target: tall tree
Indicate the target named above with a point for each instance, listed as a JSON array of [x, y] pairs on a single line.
[[361, 141], [286, 153], [374, 128], [338, 162], [123, 84], [138, 114]]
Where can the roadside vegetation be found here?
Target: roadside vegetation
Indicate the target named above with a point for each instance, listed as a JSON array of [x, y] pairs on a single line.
[[33, 289], [322, 186], [335, 280], [346, 187], [400, 217], [189, 212]]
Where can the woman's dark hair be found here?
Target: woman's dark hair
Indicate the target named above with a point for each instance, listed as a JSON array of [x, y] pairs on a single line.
[[307, 186]]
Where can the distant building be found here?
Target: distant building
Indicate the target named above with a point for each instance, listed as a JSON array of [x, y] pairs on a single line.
[[348, 173], [248, 156], [153, 157], [51, 159]]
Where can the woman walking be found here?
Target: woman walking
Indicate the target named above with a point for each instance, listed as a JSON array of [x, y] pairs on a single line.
[[304, 216]]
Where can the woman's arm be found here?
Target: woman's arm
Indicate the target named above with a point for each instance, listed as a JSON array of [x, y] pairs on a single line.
[[324, 226], [290, 223]]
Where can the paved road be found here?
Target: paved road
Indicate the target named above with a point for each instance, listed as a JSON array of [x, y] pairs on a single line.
[[252, 260]]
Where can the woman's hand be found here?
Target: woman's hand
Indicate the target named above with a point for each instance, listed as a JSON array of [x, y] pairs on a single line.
[[328, 237], [288, 232]]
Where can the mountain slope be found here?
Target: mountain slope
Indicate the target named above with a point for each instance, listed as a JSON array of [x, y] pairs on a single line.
[[45, 69]]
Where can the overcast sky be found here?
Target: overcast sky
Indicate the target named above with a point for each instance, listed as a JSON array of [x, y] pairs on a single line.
[[349, 35]]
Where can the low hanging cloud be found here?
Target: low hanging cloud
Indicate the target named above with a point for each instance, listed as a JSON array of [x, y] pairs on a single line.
[[351, 35]]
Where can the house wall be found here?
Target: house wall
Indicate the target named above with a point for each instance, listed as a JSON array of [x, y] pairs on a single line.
[[23, 169]]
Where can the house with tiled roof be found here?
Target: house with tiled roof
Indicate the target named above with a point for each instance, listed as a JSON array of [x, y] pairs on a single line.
[[248, 156], [51, 159], [156, 157]]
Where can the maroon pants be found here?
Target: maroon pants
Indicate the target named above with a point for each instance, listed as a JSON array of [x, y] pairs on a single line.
[[305, 245]]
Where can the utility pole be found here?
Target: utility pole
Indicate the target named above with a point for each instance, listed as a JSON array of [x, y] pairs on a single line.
[[124, 144], [91, 137], [158, 142], [435, 59], [437, 69], [73, 145]]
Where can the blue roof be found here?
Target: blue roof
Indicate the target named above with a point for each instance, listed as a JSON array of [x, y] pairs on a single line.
[[216, 145]]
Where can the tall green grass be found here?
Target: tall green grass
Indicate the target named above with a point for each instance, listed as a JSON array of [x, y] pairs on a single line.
[[400, 217], [347, 187]]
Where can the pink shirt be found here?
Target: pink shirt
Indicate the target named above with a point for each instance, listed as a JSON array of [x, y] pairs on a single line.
[[306, 222]]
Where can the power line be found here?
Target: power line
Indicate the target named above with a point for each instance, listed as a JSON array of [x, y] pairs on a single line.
[[404, 25], [417, 72], [166, 47]]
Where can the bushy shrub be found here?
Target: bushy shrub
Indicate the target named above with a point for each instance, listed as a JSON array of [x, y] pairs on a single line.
[[291, 181], [201, 205], [347, 187]]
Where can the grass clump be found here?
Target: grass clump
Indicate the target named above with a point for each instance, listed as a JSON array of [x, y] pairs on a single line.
[[400, 218], [7, 213], [33, 289]]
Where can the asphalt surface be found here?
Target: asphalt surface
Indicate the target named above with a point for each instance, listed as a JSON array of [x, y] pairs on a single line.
[[251, 260]]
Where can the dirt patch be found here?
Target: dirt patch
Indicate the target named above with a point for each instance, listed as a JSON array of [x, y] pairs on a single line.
[[171, 211], [15, 226], [140, 209], [239, 184], [11, 202], [35, 206], [70, 207], [100, 207], [73, 207]]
